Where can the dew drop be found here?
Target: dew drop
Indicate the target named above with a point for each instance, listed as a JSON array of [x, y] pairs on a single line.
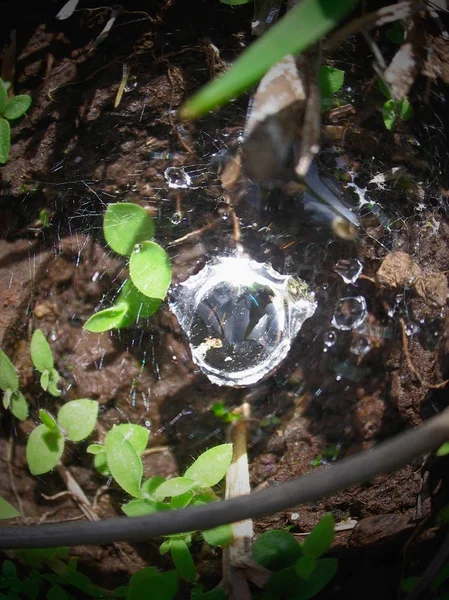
[[177, 178], [360, 345], [349, 269], [350, 313], [176, 218], [330, 337]]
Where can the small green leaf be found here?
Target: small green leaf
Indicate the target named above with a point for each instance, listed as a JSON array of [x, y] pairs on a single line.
[[174, 487], [140, 507], [5, 140], [405, 110], [77, 418], [107, 319], [95, 448], [148, 583], [325, 570], [384, 88], [17, 106], [44, 449], [393, 110], [123, 462], [182, 559], [181, 501], [276, 549], [150, 270], [320, 538], [306, 566], [8, 375], [395, 33], [211, 466], [41, 352], [443, 450], [19, 406], [165, 547], [3, 98], [330, 80], [136, 435], [7, 511], [47, 419], [139, 305], [149, 486], [7, 399], [219, 536], [126, 225], [53, 383], [45, 380], [101, 464]]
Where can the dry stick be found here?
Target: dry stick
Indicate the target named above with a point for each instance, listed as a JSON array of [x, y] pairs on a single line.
[[76, 492], [384, 458], [197, 233]]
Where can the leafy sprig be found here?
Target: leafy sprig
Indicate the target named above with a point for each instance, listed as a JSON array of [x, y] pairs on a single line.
[[42, 358], [13, 399], [9, 110]]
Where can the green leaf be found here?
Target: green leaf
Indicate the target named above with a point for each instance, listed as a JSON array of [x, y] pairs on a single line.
[[443, 450], [211, 466], [384, 88], [107, 319], [405, 110], [183, 559], [126, 225], [276, 549], [174, 487], [5, 140], [320, 538], [17, 106], [7, 399], [181, 501], [58, 593], [30, 589], [219, 536], [41, 352], [7, 511], [77, 418], [235, 2], [165, 547], [330, 80], [123, 462], [47, 419], [95, 448], [389, 114], [308, 22], [101, 464], [3, 98], [53, 383], [8, 375], [19, 406], [45, 380], [150, 270], [140, 507], [395, 33], [325, 570], [136, 435], [306, 566], [139, 305], [147, 583], [44, 449], [149, 486]]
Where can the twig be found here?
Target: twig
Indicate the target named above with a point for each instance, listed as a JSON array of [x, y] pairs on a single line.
[[77, 493], [196, 233], [384, 458]]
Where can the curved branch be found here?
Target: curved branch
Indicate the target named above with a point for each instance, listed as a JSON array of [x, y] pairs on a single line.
[[384, 458]]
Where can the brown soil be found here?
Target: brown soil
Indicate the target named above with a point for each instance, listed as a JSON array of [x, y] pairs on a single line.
[[74, 153]]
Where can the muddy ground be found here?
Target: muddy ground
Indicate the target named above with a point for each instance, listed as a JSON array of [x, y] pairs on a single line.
[[75, 152]]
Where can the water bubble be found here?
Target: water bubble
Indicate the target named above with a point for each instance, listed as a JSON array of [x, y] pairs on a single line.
[[176, 218], [177, 178], [360, 345], [330, 337], [225, 215], [349, 269], [350, 313], [240, 318]]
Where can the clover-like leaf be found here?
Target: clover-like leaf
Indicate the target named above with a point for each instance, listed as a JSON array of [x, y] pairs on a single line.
[[7, 511], [174, 487], [211, 466], [17, 106], [41, 352], [107, 319], [123, 462], [19, 405], [219, 536], [44, 449], [5, 140], [8, 375], [47, 419], [136, 435], [320, 538], [126, 225], [77, 418], [330, 80], [150, 270]]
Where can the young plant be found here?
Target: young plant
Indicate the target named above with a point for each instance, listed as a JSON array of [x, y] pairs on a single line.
[[393, 109], [75, 422], [330, 81], [9, 110], [7, 510], [42, 358], [128, 230], [299, 570], [9, 383]]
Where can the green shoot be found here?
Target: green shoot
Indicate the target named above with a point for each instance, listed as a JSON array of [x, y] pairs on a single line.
[[13, 398], [44, 217], [7, 511], [76, 421], [308, 22], [42, 358], [128, 230], [327, 455], [330, 81], [221, 412], [9, 110], [393, 110]]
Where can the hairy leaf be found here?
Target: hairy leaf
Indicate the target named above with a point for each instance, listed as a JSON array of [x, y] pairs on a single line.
[[17, 106], [136, 435], [44, 449], [19, 406], [211, 466], [107, 319], [150, 270], [174, 487], [41, 352], [126, 225], [77, 418], [123, 462]]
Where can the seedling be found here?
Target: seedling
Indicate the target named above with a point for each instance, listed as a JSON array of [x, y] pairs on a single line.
[[9, 110], [75, 422], [42, 358], [128, 230], [300, 572], [329, 454], [221, 412], [9, 383], [393, 110], [7, 510], [330, 81]]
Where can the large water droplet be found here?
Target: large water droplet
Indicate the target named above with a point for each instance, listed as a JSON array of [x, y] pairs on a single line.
[[177, 178], [176, 218], [360, 345], [240, 317], [349, 269], [350, 313]]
